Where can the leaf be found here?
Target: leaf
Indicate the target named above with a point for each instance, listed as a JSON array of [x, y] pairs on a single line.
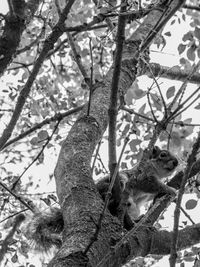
[[181, 48], [43, 134], [142, 109], [125, 131], [14, 258], [197, 33], [188, 36], [187, 121], [198, 106], [129, 97], [124, 166], [51, 196], [156, 101], [170, 92], [198, 52], [191, 204], [138, 93], [186, 131], [191, 53], [41, 158], [47, 201], [133, 143], [134, 92], [176, 140], [168, 34], [173, 21], [34, 141]]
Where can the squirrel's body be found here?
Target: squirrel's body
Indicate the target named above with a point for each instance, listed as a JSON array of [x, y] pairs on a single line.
[[138, 186], [145, 181]]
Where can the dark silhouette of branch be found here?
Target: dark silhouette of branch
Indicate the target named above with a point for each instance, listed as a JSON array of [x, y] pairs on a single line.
[[132, 111], [48, 45], [19, 198], [113, 107], [56, 117], [77, 59], [112, 118], [192, 7], [21, 13]]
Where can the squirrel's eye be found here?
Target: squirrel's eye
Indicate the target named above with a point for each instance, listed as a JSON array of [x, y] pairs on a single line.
[[163, 154]]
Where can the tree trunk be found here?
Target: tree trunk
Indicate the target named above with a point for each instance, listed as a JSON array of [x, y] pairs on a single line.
[[79, 200]]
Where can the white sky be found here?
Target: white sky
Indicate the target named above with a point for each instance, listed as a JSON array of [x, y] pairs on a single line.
[[3, 7]]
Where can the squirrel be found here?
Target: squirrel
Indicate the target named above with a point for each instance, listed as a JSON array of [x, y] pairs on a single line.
[[145, 181], [138, 186]]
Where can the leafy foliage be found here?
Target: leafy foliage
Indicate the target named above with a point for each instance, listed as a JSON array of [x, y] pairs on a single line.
[[59, 86]]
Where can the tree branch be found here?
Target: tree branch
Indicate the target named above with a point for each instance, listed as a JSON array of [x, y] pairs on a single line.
[[56, 117], [80, 203], [174, 73], [48, 45], [15, 23]]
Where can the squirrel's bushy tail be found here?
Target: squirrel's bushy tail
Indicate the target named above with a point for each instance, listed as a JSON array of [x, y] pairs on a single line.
[[45, 230]]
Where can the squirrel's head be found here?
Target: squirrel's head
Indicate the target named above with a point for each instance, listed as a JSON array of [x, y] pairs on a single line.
[[164, 162]]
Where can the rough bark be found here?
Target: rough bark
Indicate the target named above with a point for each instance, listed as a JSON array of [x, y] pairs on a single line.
[[79, 200], [174, 73]]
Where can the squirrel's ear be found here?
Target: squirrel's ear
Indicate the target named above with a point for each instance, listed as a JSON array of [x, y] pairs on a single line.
[[155, 152]]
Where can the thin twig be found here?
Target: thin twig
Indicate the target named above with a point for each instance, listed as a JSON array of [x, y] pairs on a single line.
[[158, 86], [16, 196], [187, 215], [190, 161], [184, 109], [77, 59], [183, 86], [56, 117], [179, 109], [38, 156]]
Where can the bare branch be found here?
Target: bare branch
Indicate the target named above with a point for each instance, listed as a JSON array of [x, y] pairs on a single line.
[[38, 156], [56, 117], [192, 7], [77, 59]]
